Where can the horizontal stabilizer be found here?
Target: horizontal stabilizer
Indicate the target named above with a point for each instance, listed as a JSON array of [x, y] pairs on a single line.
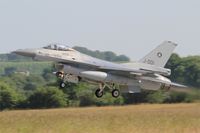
[[178, 85]]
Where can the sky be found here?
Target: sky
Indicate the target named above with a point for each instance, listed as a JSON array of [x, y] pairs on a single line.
[[130, 27]]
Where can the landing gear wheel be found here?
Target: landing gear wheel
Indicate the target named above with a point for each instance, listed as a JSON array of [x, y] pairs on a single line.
[[98, 93], [62, 85], [115, 93]]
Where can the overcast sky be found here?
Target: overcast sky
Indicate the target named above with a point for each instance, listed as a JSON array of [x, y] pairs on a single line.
[[130, 27]]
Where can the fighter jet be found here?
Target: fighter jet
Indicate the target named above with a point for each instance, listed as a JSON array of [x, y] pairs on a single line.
[[72, 66]]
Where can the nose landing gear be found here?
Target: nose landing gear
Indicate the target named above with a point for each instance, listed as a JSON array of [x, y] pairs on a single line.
[[62, 84], [60, 75]]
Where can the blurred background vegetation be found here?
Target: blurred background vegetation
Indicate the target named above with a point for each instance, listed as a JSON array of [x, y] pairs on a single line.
[[26, 84]]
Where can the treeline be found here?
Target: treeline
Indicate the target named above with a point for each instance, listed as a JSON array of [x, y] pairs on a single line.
[[19, 90], [13, 57], [107, 55], [33, 67], [185, 70], [42, 91], [34, 91]]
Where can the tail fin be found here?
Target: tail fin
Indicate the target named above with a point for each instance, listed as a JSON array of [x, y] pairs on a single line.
[[160, 55]]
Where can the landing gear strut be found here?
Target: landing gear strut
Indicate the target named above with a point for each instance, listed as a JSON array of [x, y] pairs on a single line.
[[99, 91]]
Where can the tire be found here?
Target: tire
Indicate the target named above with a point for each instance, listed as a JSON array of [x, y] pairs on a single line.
[[115, 93], [62, 85], [98, 93]]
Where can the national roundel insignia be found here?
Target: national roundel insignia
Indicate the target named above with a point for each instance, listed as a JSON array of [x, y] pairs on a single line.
[[159, 54]]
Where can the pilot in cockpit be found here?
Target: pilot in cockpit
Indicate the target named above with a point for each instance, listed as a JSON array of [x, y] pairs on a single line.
[[58, 47]]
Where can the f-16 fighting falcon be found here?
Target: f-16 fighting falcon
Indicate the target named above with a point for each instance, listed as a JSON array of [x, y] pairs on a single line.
[[72, 66]]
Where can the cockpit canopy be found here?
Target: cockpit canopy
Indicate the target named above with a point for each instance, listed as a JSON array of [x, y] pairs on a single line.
[[58, 47]]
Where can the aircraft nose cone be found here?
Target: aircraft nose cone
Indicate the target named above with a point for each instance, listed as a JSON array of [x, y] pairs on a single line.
[[25, 52]]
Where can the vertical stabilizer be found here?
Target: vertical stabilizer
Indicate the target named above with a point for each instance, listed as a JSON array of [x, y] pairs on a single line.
[[160, 55]]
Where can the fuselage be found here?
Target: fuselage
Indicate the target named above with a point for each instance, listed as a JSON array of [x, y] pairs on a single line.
[[72, 56]]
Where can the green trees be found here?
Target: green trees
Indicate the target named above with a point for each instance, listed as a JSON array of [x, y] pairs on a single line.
[[157, 97], [9, 70], [9, 98], [107, 55], [50, 97], [14, 57], [185, 70]]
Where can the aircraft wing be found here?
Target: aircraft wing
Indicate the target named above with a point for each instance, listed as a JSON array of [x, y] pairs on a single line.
[[123, 71], [118, 70], [178, 85]]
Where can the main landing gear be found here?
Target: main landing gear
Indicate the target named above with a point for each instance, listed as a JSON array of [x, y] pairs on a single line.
[[100, 91], [115, 93]]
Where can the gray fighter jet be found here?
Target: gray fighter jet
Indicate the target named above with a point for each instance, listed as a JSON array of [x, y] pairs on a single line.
[[72, 66]]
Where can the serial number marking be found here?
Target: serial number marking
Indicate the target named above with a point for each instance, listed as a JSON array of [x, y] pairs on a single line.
[[148, 61]]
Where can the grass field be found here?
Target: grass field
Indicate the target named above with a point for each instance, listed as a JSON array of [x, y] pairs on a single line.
[[171, 118]]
